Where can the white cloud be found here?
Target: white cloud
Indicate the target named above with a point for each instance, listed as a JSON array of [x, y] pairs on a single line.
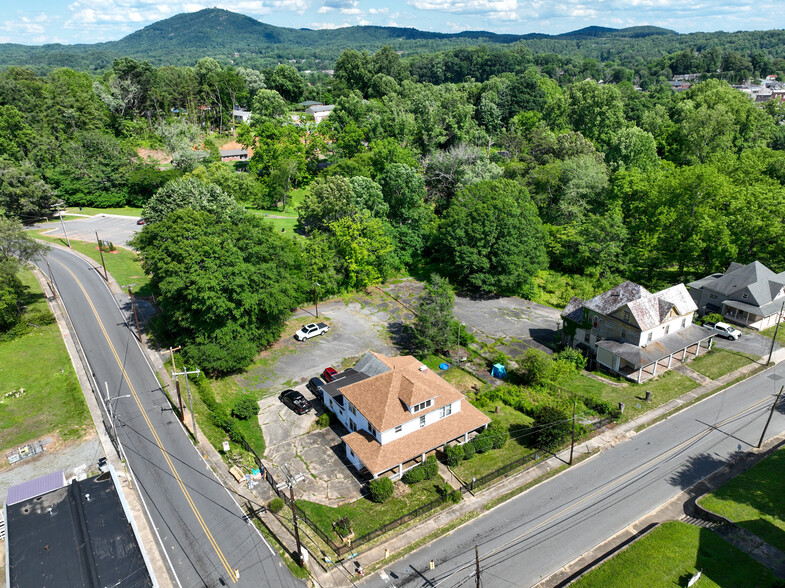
[[383, 10], [467, 6]]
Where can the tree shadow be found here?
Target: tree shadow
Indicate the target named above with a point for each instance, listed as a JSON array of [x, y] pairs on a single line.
[[695, 469], [548, 338], [401, 336]]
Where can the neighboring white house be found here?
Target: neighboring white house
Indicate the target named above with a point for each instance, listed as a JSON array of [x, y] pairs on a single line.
[[633, 332], [320, 112], [751, 295], [397, 411], [241, 115]]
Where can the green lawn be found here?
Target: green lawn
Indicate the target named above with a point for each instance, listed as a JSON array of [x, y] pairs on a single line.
[[38, 362], [671, 554], [769, 333], [122, 263], [665, 388], [459, 378], [719, 362], [366, 515], [124, 211], [481, 464], [755, 500]]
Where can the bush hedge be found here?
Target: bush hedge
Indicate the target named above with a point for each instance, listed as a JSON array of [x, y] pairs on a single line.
[[245, 408], [469, 450], [381, 489], [424, 471], [276, 505], [454, 455]]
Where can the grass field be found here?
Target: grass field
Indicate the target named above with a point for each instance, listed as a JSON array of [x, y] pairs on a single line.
[[124, 211], [38, 362], [123, 263], [666, 387], [719, 362], [671, 554], [366, 515], [769, 333], [755, 500], [517, 424], [462, 380]]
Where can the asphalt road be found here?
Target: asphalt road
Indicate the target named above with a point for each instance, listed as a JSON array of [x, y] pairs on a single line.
[[532, 536], [199, 523], [117, 229]]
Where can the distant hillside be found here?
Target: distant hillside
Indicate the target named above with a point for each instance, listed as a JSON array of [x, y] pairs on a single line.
[[233, 38]]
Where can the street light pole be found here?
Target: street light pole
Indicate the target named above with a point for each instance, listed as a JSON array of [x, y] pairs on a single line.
[[109, 400], [62, 224]]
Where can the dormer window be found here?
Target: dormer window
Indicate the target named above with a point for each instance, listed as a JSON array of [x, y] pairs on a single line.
[[422, 405], [626, 316], [744, 296]]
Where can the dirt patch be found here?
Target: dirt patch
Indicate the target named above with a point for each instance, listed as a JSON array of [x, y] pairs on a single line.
[[400, 489], [158, 155]]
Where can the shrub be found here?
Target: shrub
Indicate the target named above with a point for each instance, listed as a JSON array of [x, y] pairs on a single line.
[[468, 450], [414, 475], [323, 420], [276, 505], [431, 467], [483, 442], [454, 454], [573, 356], [536, 366], [711, 318], [553, 425], [245, 408], [498, 434], [456, 496], [381, 489], [343, 526]]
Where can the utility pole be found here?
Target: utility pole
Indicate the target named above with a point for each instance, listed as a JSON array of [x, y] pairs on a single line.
[[776, 330], [771, 412], [572, 445], [185, 373], [316, 298], [136, 318], [477, 571], [62, 224], [177, 384], [101, 251], [459, 341], [291, 481]]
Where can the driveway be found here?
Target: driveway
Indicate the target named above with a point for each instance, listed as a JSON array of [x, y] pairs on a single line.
[[751, 342], [110, 227], [317, 455]]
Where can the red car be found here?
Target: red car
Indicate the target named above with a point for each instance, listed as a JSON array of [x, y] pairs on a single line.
[[141, 221], [328, 375]]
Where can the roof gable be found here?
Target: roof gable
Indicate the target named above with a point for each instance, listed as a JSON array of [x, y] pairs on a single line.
[[383, 399]]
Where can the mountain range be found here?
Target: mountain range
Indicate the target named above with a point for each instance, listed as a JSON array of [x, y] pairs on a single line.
[[184, 38]]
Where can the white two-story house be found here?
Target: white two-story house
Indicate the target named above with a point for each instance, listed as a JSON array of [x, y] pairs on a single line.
[[631, 331], [397, 411]]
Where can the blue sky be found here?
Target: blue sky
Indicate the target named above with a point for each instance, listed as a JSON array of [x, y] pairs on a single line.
[[34, 22]]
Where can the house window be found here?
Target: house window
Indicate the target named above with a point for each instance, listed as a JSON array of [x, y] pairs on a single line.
[[683, 322], [398, 428], [623, 333], [586, 336], [596, 322], [627, 316], [648, 339], [422, 421], [423, 405], [352, 409], [744, 296], [371, 429], [445, 411], [667, 328], [350, 452], [352, 426]]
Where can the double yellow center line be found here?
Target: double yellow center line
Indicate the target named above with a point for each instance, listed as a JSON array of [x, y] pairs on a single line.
[[230, 571]]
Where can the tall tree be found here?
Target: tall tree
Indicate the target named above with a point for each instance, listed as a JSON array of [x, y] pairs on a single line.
[[434, 324]]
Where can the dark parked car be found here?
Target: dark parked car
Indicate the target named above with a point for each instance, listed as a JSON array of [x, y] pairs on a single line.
[[328, 375], [141, 221], [313, 385], [296, 401]]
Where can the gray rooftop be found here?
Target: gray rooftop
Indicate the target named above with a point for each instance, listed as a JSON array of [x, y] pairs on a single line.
[[320, 108], [762, 285], [76, 536], [371, 365], [345, 378], [659, 349]]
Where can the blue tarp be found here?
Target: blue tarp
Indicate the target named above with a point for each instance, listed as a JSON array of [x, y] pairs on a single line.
[[444, 366], [498, 371]]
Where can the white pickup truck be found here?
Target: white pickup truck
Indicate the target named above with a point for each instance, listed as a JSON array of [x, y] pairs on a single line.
[[724, 330], [311, 330]]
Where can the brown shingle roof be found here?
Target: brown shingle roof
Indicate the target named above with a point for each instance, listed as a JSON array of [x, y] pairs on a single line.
[[380, 398], [380, 458]]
